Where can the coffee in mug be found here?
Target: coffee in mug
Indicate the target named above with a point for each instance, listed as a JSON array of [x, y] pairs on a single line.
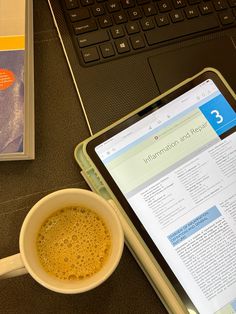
[[71, 241]]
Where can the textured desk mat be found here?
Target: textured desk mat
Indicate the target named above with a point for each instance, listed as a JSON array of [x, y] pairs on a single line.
[[59, 126]]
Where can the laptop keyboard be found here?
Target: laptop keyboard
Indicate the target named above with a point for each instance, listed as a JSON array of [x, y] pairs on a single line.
[[105, 30]]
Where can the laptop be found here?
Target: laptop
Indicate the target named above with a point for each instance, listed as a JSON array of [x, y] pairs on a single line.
[[123, 53]]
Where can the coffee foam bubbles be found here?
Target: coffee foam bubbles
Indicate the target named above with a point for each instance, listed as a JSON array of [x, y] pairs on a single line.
[[73, 243]]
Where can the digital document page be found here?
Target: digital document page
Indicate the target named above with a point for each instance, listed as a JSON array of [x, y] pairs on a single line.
[[190, 214]]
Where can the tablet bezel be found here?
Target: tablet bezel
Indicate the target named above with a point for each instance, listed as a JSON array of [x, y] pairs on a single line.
[[137, 116]]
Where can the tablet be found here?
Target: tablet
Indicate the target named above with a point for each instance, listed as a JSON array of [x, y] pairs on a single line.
[[171, 167]]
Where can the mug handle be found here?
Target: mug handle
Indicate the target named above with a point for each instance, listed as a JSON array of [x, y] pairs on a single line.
[[12, 266]]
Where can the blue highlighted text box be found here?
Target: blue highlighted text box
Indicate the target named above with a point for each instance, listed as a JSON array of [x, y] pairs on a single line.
[[194, 225]]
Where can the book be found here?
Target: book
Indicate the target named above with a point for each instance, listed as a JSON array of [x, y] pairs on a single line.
[[16, 80]]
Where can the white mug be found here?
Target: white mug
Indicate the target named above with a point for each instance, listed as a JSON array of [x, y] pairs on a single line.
[[27, 260]]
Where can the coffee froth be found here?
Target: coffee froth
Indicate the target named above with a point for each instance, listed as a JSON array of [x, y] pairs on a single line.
[[73, 243]]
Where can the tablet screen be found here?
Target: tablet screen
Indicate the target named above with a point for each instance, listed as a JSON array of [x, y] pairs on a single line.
[[176, 167]]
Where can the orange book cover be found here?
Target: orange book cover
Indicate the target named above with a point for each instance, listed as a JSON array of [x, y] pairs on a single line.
[[13, 106], [11, 101]]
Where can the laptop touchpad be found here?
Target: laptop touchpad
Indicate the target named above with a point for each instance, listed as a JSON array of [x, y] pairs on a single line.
[[175, 66]]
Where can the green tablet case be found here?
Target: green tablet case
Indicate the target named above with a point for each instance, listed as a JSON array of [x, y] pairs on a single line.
[[135, 243]]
